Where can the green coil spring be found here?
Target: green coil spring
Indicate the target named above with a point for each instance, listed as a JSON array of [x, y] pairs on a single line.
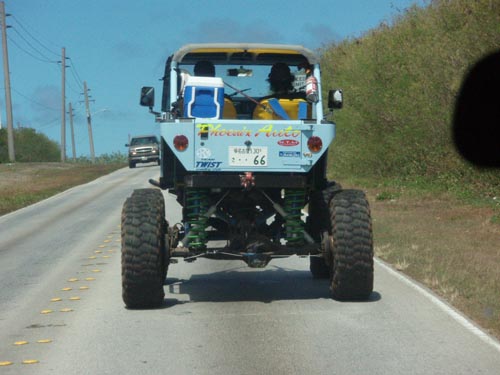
[[196, 207], [294, 202]]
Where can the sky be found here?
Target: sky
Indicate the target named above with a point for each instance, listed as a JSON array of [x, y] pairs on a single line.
[[118, 46]]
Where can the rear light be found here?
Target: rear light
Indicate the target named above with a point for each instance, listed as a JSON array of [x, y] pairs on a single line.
[[315, 144], [180, 142]]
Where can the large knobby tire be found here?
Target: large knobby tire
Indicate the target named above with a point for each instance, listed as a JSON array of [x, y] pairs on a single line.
[[352, 250], [319, 223], [144, 258]]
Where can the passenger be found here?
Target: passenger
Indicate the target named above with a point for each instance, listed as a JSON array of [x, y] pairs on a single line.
[[280, 79], [204, 68]]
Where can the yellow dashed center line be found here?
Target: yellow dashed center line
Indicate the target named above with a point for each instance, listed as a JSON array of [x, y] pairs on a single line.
[[58, 299], [30, 361]]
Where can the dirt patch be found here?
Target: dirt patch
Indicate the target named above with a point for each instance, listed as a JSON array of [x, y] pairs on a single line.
[[452, 247], [14, 176], [22, 184]]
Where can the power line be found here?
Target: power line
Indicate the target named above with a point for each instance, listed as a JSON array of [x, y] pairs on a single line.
[[76, 91], [29, 53], [50, 124], [35, 39], [75, 73], [32, 46], [44, 56], [34, 101]]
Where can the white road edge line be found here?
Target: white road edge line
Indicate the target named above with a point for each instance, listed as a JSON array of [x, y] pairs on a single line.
[[459, 318]]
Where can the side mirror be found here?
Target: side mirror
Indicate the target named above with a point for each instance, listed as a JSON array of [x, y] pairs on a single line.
[[147, 97], [127, 145], [335, 99]]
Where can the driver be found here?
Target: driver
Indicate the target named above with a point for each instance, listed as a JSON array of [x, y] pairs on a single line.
[[284, 101], [204, 68]]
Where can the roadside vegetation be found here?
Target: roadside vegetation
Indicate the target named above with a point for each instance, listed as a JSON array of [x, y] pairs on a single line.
[[436, 217], [30, 146], [38, 174]]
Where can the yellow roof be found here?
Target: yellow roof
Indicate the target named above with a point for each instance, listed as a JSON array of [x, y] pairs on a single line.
[[234, 52]]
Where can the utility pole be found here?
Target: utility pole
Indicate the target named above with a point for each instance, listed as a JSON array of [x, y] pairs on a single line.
[[6, 73], [72, 132], [89, 121], [63, 112]]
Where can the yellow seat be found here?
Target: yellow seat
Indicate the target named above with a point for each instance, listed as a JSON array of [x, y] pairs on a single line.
[[229, 111], [290, 106]]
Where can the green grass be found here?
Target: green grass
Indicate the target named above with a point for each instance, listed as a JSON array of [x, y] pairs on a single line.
[[400, 83], [22, 184]]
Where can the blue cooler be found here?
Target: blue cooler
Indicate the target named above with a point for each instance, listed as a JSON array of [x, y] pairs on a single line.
[[204, 97]]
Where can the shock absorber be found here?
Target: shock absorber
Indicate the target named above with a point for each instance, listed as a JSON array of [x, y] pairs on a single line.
[[196, 209], [294, 202]]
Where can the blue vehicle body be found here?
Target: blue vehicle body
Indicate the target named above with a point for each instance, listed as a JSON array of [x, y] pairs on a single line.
[[246, 173], [246, 145], [244, 158]]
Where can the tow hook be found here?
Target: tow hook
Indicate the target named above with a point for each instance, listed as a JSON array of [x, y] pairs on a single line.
[[247, 180]]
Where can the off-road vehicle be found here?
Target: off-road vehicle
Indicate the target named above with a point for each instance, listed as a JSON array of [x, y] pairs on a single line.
[[245, 164], [143, 149]]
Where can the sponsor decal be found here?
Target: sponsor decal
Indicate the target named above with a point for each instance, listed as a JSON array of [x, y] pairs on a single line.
[[266, 131], [219, 131], [289, 154], [208, 164], [203, 153], [308, 154], [288, 142]]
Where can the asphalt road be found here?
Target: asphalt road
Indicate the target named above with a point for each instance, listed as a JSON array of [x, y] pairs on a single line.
[[219, 317]]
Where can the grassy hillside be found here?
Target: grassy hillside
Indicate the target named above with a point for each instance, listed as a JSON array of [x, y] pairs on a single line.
[[29, 146], [394, 139], [400, 82]]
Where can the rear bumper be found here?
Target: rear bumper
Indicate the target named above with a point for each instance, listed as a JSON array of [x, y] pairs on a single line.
[[143, 158], [233, 180]]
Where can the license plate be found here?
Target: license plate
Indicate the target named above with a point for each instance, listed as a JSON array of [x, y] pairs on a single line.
[[247, 156], [144, 158]]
